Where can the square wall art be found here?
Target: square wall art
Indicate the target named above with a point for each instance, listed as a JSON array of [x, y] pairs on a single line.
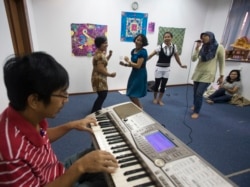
[[133, 24], [83, 37]]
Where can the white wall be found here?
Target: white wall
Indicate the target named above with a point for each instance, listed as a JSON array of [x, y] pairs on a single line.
[[50, 28], [51, 24], [6, 49]]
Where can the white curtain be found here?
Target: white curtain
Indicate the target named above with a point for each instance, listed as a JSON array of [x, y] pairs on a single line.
[[238, 23]]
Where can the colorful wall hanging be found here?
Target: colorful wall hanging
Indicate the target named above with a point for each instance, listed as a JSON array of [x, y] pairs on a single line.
[[178, 36], [83, 37], [151, 27], [133, 24]]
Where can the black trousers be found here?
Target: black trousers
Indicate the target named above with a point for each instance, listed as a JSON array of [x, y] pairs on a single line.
[[162, 82], [101, 96]]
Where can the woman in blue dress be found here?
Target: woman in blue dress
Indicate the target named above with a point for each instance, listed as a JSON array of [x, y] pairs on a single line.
[[137, 82]]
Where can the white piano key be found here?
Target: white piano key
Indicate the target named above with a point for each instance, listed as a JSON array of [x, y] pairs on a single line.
[[123, 153], [95, 128], [103, 120]]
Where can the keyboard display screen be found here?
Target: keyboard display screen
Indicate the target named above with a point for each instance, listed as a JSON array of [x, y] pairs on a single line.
[[159, 141]]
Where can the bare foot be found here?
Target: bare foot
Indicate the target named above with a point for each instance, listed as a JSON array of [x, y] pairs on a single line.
[[209, 101], [194, 115], [155, 101], [160, 103]]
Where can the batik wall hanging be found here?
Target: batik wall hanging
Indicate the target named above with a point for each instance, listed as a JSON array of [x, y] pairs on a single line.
[[178, 36], [133, 24], [83, 37]]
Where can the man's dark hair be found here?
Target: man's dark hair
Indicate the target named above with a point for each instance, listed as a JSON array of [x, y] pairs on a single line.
[[37, 73]]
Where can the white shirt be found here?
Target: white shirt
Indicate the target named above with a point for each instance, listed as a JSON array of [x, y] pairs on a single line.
[[167, 49]]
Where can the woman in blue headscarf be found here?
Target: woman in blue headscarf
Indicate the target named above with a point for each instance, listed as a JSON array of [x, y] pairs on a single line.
[[210, 54]]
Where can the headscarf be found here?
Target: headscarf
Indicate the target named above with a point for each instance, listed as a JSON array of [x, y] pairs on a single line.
[[208, 50]]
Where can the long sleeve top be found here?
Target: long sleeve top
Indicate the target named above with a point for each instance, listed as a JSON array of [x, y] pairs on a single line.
[[206, 71]]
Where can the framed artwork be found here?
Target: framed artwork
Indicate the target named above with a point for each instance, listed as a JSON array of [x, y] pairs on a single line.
[[83, 37], [178, 36], [133, 24], [151, 27]]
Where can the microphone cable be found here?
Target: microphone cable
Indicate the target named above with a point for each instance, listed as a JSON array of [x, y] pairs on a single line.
[[187, 107]]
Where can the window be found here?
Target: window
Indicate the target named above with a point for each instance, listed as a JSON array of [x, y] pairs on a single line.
[[236, 38]]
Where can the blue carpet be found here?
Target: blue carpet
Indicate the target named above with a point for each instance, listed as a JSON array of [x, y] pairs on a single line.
[[221, 135]]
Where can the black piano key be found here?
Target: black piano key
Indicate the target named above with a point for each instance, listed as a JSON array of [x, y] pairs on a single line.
[[121, 150], [109, 132], [116, 141], [101, 118], [106, 126], [124, 155], [137, 177], [103, 124], [129, 164], [145, 184], [97, 112], [111, 136], [127, 160], [109, 129], [133, 171], [114, 138], [118, 146]]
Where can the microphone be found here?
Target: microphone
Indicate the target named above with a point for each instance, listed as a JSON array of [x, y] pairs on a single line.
[[199, 41]]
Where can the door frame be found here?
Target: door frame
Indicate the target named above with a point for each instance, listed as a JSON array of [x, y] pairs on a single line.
[[18, 24]]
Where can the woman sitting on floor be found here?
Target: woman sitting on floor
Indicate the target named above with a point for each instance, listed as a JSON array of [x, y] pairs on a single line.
[[229, 87]]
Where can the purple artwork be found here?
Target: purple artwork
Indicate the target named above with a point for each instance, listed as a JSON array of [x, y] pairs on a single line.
[[151, 27], [83, 37]]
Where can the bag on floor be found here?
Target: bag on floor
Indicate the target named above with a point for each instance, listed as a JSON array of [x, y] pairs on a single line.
[[239, 100]]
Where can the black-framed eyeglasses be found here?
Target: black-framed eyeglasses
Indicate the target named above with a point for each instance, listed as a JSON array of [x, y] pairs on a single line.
[[66, 96]]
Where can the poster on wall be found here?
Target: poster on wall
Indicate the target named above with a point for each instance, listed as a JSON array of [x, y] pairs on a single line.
[[178, 36], [133, 24], [83, 37], [151, 27]]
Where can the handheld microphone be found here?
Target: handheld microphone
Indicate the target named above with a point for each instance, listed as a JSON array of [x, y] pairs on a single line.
[[198, 41]]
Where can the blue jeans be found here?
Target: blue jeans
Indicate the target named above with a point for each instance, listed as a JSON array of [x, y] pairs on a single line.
[[219, 96], [199, 89], [88, 179]]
